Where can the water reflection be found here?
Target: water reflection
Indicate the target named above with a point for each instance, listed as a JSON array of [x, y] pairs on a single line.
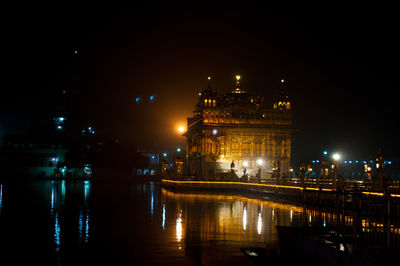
[[145, 221], [163, 217], [78, 192], [55, 213], [84, 215], [225, 219], [152, 198], [244, 218], [259, 223], [179, 226]]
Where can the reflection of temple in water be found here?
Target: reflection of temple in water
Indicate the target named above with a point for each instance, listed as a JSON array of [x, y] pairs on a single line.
[[207, 224], [238, 128]]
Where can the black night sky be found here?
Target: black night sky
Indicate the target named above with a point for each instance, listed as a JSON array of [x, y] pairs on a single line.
[[341, 65]]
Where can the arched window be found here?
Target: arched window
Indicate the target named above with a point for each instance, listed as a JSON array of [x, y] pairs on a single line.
[[214, 103], [205, 102]]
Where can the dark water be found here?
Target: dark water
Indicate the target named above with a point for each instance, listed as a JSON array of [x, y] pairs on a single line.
[[126, 223]]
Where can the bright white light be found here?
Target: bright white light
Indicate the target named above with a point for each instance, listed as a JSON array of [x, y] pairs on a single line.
[[215, 131], [163, 217], [245, 163], [178, 149], [260, 162], [165, 154], [179, 227], [181, 129], [336, 157], [259, 224]]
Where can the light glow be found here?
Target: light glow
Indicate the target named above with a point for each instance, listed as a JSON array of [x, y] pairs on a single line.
[[244, 218], [179, 227], [181, 129], [259, 223], [163, 217], [242, 183], [260, 162], [336, 157], [245, 163]]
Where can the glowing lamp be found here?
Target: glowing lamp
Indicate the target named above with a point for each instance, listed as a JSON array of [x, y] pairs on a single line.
[[245, 163], [214, 131], [336, 157], [181, 129], [260, 162], [237, 77]]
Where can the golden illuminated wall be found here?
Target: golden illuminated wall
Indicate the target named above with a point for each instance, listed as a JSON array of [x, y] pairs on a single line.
[[243, 139]]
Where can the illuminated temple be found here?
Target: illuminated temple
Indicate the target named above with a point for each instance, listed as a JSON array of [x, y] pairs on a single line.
[[235, 135]]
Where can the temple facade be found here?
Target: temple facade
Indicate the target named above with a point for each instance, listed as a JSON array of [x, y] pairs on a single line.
[[236, 135]]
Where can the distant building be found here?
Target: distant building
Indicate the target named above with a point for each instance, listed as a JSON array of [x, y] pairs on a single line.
[[153, 163], [236, 132], [27, 156]]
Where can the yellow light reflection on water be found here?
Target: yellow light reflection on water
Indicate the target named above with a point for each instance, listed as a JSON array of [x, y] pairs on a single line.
[[259, 223], [226, 218], [244, 218], [179, 227]]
